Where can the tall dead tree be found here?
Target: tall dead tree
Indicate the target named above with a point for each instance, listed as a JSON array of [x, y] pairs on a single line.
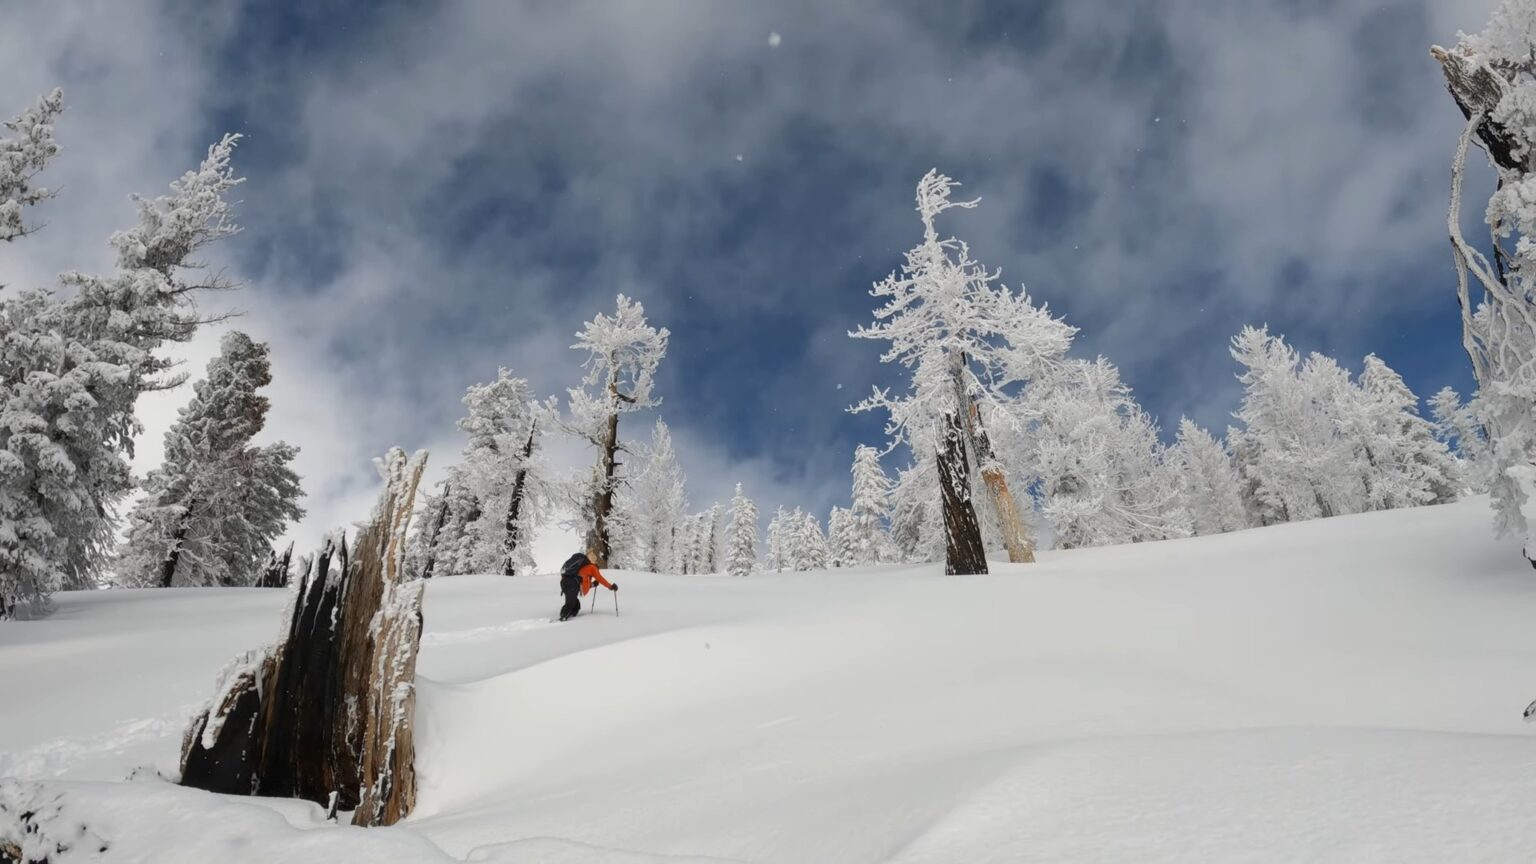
[[327, 714]]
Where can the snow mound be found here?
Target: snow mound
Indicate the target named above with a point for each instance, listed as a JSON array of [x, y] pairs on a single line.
[[1340, 690]]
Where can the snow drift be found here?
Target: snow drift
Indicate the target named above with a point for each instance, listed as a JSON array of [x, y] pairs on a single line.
[[1346, 689]]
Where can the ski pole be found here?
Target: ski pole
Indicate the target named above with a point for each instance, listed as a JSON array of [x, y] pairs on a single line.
[[615, 602]]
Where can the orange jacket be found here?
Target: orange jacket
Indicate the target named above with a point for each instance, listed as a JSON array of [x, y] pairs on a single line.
[[590, 574]]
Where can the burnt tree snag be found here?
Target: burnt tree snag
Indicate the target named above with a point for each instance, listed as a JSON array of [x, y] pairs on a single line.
[[328, 712]]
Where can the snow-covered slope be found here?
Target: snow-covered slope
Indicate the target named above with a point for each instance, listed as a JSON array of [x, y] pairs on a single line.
[[1346, 690]]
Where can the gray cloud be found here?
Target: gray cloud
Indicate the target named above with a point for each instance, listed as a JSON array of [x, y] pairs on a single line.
[[450, 188]]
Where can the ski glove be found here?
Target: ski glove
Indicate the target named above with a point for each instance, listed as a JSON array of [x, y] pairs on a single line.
[[614, 587]]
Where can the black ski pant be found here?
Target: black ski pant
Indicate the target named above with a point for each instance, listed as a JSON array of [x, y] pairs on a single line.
[[572, 606]]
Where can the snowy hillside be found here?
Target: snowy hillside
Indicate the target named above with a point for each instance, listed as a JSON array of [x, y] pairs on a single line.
[[1342, 690]]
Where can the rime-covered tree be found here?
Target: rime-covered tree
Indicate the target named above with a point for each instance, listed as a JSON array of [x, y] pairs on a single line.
[[1208, 484], [868, 542], [1405, 464], [966, 340], [623, 352], [778, 541], [1492, 77], [1295, 461], [212, 509], [709, 538], [497, 495], [1457, 427], [809, 548], [741, 536], [1101, 468], [841, 551], [648, 509], [24, 152], [917, 526], [73, 367]]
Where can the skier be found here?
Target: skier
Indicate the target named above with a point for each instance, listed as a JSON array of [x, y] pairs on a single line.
[[576, 578]]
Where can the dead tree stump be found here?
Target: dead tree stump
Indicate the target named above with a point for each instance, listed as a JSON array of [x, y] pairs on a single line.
[[330, 709]]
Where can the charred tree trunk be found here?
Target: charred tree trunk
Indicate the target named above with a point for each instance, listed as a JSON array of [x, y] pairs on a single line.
[[330, 709], [278, 569], [963, 551], [515, 506]]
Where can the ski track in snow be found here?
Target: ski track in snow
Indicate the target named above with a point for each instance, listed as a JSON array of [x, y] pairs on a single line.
[[53, 758], [481, 634]]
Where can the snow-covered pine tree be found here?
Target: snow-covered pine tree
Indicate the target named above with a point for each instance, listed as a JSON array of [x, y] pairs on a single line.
[[917, 526], [502, 483], [1492, 77], [212, 509], [453, 547], [841, 550], [810, 549], [24, 152], [71, 371], [1457, 428], [649, 507], [966, 340], [867, 539], [1295, 461], [778, 537], [741, 536], [1207, 481], [1101, 468], [1406, 464], [709, 539], [622, 355]]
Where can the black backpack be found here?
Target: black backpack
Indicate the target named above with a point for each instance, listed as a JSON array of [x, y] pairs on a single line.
[[570, 573]]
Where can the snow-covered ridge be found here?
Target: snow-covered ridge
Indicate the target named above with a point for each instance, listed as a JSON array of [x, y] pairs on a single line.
[[1342, 689]]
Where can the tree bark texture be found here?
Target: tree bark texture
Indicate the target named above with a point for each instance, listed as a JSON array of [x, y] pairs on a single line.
[[330, 708], [1015, 538], [963, 550]]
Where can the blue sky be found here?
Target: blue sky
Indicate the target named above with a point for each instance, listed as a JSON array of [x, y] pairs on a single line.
[[439, 189]]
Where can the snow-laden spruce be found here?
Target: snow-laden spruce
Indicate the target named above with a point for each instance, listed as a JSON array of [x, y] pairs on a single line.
[[778, 528], [623, 352], [73, 366], [212, 509], [741, 536], [24, 152], [1209, 489], [867, 539], [1492, 77], [1314, 443], [497, 496], [968, 342], [1100, 463], [648, 510]]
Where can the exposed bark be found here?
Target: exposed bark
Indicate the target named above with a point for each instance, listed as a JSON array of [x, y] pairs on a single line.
[[330, 709], [963, 550], [515, 505], [278, 570], [1010, 520], [1477, 91]]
